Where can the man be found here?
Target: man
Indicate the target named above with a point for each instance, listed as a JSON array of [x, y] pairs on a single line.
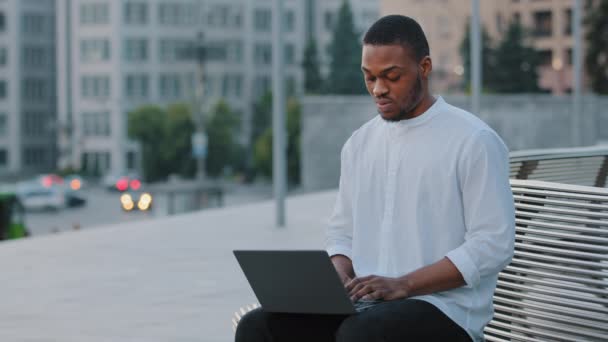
[[424, 218]]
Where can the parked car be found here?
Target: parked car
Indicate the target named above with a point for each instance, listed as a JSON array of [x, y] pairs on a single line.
[[122, 182], [34, 197]]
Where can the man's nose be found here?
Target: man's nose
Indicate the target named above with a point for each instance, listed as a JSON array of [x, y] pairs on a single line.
[[379, 89]]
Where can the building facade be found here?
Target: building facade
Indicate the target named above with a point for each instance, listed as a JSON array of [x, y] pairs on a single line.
[[114, 56], [27, 87], [444, 22]]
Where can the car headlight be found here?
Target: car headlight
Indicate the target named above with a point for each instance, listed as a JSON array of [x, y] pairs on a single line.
[[127, 202], [145, 201]]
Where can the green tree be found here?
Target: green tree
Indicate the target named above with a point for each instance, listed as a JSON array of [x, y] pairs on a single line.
[[313, 82], [596, 60], [487, 56], [164, 136], [178, 147], [516, 64], [263, 146], [262, 116], [345, 54], [223, 150]]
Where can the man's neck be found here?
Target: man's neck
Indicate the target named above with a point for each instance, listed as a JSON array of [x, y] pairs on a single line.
[[427, 101]]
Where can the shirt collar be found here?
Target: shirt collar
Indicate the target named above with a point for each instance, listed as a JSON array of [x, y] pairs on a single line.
[[420, 119]]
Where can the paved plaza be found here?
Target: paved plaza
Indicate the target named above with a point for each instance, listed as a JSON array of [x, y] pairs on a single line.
[[171, 279]]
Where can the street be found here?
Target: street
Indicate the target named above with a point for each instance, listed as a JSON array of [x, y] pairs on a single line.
[[103, 208]]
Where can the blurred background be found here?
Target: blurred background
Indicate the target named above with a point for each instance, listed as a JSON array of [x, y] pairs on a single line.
[[122, 110]]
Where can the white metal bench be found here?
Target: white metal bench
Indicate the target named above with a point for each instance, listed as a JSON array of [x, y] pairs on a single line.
[[580, 166], [556, 287]]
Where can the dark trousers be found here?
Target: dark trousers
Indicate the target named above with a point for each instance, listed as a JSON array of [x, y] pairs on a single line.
[[394, 321]]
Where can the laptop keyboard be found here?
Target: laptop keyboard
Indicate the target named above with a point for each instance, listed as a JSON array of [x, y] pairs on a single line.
[[362, 305]]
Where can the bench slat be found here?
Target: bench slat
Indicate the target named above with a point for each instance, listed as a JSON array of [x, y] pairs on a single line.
[[553, 284]]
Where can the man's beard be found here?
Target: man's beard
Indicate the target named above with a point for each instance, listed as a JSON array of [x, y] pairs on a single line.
[[415, 97]]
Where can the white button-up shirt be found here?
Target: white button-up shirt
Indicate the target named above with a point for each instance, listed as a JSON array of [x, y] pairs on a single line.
[[415, 191]]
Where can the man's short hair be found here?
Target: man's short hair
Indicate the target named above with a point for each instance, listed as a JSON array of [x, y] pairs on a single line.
[[398, 29]]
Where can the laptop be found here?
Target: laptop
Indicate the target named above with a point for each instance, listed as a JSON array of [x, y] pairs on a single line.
[[304, 282]]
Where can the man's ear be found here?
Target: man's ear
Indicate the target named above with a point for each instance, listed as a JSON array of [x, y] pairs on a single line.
[[426, 66]]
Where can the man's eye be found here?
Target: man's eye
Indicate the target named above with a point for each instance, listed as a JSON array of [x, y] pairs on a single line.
[[370, 79], [394, 78]]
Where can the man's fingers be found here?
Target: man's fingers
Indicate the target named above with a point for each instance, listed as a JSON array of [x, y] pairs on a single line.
[[357, 280], [375, 295], [364, 290]]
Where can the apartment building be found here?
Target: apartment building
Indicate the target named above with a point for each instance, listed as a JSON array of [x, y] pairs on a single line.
[[548, 21], [27, 87]]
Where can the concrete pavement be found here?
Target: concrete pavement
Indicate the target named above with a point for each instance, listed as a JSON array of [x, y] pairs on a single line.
[[172, 279]]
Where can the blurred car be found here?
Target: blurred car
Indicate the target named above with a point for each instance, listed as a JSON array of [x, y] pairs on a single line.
[[136, 201], [50, 180], [34, 197], [122, 182]]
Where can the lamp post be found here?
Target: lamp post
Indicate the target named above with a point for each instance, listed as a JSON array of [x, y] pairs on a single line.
[[199, 138]]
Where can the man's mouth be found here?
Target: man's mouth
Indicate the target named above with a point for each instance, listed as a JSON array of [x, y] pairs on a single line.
[[384, 105]]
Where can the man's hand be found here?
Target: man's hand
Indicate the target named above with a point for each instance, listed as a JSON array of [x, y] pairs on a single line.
[[377, 288], [344, 267]]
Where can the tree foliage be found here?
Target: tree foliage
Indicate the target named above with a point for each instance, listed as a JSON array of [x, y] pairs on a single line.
[[263, 146], [345, 53], [510, 67], [164, 135], [313, 82], [224, 151], [487, 55], [596, 59]]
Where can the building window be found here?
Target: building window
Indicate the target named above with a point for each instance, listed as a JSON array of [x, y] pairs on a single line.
[[136, 13], [3, 124], [96, 124], [234, 51], [35, 90], [35, 57], [263, 54], [262, 20], [136, 50], [546, 57], [173, 50], [216, 51], [34, 24], [94, 50], [136, 86], [569, 57], [290, 85], [96, 13], [2, 22], [3, 158], [289, 21], [542, 24], [3, 56], [96, 163], [290, 54], [2, 89], [177, 14], [568, 22], [517, 18], [34, 124], [329, 21], [261, 86], [170, 86], [34, 156], [95, 87], [232, 85]]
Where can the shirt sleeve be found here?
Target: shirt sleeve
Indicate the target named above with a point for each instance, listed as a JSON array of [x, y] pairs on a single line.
[[489, 211], [339, 233]]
